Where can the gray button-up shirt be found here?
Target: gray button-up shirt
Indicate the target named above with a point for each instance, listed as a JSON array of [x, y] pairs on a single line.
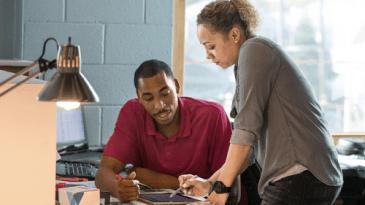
[[276, 111]]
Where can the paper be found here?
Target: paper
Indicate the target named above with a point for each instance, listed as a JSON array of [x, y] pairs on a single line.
[[58, 156], [350, 162]]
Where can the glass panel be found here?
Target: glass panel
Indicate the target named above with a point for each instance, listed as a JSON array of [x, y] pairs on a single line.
[[326, 38]]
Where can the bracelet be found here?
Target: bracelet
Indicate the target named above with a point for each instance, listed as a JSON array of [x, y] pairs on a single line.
[[211, 186]]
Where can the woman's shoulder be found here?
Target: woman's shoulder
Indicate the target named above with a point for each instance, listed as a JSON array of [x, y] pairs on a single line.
[[256, 40]]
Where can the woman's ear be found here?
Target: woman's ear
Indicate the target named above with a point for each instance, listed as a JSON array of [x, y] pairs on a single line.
[[235, 34]]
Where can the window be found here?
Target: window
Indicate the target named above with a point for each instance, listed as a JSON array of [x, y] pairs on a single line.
[[326, 38]]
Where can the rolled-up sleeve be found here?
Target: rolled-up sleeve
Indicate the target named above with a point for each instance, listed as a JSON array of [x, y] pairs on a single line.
[[256, 74]]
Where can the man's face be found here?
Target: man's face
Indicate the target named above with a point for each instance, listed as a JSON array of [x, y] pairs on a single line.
[[158, 95]]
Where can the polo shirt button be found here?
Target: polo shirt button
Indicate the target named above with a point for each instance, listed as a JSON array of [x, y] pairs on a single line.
[[168, 153]]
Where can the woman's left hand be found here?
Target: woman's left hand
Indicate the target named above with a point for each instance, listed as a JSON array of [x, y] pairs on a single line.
[[217, 199]]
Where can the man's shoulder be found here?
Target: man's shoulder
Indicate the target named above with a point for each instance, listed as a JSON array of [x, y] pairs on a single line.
[[199, 105], [132, 104], [132, 107]]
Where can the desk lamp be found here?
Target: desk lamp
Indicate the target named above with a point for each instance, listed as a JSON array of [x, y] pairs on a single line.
[[68, 84], [28, 127]]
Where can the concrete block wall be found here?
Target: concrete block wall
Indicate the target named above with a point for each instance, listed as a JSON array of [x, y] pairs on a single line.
[[115, 37]]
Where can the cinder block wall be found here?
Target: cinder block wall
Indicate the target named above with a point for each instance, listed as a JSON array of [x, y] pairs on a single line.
[[115, 36]]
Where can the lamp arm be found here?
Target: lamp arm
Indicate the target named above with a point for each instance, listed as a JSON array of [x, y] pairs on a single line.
[[44, 65], [21, 72], [34, 75]]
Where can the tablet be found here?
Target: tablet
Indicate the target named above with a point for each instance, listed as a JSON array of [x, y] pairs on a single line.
[[165, 199]]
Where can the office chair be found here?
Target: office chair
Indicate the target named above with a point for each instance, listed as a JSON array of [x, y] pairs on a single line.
[[235, 194]]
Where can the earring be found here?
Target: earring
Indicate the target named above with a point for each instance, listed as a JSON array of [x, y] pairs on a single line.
[[236, 41]]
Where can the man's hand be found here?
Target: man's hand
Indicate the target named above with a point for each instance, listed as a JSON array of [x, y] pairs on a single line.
[[128, 188], [130, 170], [194, 186]]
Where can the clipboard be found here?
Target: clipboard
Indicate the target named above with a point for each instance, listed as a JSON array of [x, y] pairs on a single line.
[[164, 198]]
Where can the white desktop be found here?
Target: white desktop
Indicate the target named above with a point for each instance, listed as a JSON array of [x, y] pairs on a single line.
[[70, 127]]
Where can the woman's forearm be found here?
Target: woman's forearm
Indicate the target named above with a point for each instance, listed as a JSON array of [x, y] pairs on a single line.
[[235, 164]]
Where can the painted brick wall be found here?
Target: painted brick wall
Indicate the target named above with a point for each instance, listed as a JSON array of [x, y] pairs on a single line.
[[115, 36]]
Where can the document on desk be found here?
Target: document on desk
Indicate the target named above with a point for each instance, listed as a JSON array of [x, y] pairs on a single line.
[[350, 162]]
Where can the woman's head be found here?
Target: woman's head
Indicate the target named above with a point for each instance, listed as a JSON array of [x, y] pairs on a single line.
[[223, 26], [222, 16]]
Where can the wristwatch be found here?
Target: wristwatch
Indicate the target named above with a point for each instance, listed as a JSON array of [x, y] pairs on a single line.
[[220, 188], [211, 186]]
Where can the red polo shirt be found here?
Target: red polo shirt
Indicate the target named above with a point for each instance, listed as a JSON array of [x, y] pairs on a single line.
[[200, 147]]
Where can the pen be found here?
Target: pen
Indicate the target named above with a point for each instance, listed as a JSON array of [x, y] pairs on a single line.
[[73, 179], [140, 184], [179, 189], [175, 192], [119, 176]]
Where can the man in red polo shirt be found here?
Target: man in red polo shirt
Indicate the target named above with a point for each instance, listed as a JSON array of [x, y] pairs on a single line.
[[163, 136]]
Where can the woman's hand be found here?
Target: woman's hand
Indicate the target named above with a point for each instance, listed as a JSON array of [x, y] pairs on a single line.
[[128, 188], [217, 199], [194, 186]]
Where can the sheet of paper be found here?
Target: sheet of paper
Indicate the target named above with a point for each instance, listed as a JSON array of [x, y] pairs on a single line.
[[351, 161]]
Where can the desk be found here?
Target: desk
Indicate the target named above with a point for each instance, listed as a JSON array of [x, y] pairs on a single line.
[[105, 197], [353, 190]]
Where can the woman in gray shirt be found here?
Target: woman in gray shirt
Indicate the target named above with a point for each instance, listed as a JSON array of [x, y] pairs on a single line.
[[278, 121]]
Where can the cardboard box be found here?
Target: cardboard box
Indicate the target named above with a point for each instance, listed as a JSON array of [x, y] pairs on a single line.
[[79, 195]]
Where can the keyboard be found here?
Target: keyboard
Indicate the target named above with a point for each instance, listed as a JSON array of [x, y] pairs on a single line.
[[76, 169]]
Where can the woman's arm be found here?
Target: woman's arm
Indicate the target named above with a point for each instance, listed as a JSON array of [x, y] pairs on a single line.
[[242, 168], [236, 163]]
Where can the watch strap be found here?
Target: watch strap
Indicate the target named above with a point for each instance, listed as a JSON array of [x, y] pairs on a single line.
[[211, 186]]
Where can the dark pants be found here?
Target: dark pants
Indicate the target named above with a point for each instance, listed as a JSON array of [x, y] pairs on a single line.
[[299, 189]]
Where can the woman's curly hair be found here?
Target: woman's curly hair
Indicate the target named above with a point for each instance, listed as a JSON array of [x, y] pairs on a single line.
[[222, 16]]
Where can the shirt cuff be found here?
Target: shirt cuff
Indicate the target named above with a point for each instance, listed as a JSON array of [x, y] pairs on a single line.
[[241, 137]]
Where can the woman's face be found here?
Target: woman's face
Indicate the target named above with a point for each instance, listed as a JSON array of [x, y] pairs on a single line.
[[222, 50]]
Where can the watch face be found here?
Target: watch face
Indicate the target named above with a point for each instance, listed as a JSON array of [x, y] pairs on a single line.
[[219, 188]]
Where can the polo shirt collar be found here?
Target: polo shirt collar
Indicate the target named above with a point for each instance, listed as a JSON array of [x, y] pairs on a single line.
[[185, 123]]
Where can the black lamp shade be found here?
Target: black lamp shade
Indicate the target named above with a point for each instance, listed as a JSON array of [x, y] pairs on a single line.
[[69, 87], [68, 84]]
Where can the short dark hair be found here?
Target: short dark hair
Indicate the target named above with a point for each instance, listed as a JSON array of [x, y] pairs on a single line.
[[151, 68]]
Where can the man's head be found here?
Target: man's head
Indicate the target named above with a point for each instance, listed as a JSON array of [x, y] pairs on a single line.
[[157, 91]]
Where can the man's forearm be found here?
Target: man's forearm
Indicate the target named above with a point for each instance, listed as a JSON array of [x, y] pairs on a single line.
[[155, 179], [106, 181]]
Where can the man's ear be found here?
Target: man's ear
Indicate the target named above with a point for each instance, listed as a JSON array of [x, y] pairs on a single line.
[[177, 85], [139, 100]]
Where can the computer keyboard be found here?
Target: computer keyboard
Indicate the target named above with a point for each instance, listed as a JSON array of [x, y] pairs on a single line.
[[76, 169]]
